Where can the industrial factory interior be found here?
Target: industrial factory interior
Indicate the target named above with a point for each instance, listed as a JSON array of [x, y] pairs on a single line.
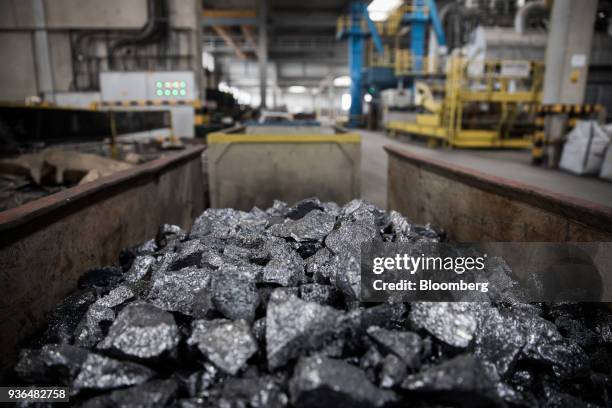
[[306, 204]]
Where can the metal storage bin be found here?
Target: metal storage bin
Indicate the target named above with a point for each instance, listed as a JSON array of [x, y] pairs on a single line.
[[253, 165]]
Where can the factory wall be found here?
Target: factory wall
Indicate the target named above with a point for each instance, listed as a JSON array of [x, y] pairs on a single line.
[[96, 26]]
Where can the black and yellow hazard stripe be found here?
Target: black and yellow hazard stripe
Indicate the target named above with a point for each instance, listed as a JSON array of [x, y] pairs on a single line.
[[579, 109], [143, 102], [537, 150]]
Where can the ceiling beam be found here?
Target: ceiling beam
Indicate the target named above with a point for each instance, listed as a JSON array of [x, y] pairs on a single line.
[[220, 31], [247, 31], [303, 19], [229, 17]]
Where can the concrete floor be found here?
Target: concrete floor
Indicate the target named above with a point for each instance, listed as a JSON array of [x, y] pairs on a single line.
[[514, 165]]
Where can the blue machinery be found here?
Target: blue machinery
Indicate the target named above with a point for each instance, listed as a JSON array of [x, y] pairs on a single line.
[[418, 15], [355, 31]]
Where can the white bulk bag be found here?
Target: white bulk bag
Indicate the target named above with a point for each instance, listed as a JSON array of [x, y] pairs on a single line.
[[606, 167], [584, 149]]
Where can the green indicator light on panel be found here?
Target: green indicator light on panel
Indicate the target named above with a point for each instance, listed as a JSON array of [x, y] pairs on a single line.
[[160, 92], [159, 84], [183, 92], [183, 84], [174, 92], [167, 84], [167, 92]]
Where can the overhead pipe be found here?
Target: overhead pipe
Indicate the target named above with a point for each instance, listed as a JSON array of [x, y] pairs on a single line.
[[520, 19], [44, 75], [154, 29]]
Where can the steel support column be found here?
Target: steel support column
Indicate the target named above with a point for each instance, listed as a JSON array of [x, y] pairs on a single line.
[[567, 63], [355, 65], [568, 51], [417, 35], [262, 49], [355, 60], [44, 74]]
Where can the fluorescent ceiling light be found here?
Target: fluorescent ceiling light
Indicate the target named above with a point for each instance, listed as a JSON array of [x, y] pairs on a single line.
[[344, 80], [297, 89], [379, 10]]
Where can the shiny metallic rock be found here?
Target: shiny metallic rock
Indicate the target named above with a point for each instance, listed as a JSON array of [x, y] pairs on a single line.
[[235, 295], [227, 344], [278, 209], [387, 315], [286, 267], [141, 268], [404, 344], [603, 325], [348, 237], [237, 254], [212, 258], [316, 292], [326, 382], [461, 377], [314, 226], [226, 223], [568, 359], [169, 232], [197, 383], [141, 331], [392, 371], [152, 394], [499, 340], [317, 266], [400, 226], [116, 297], [103, 373], [254, 392], [127, 255], [89, 332], [452, 323], [294, 327], [577, 331], [64, 319], [365, 213], [546, 345], [189, 254], [370, 363], [346, 276], [179, 291], [52, 363], [302, 208]]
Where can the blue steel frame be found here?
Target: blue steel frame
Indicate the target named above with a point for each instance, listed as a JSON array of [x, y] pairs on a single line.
[[356, 35], [419, 19]]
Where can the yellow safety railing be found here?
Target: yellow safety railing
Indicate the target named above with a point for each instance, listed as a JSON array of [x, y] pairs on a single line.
[[394, 21], [404, 63], [492, 86], [375, 59], [345, 23]]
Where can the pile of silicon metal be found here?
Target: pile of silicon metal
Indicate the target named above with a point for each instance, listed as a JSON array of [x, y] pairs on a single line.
[[261, 309]]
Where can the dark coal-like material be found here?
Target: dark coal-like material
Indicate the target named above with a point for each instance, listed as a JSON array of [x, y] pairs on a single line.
[[261, 309]]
